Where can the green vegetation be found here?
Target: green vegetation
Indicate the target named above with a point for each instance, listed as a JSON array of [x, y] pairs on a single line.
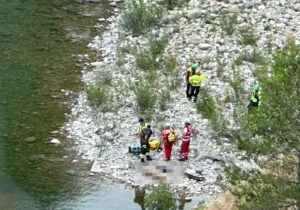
[[145, 60], [96, 94], [145, 97], [160, 199], [139, 17], [157, 45], [228, 22], [164, 97], [172, 3], [248, 36], [170, 63], [252, 57], [272, 129], [206, 105]]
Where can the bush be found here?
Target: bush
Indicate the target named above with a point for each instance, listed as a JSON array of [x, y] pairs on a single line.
[[160, 199], [157, 46], [145, 97], [248, 36], [170, 63], [253, 57], [228, 22], [138, 17], [95, 94], [164, 98], [145, 60], [206, 105]]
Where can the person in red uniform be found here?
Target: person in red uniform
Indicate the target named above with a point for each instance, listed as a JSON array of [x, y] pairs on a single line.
[[168, 137], [186, 135]]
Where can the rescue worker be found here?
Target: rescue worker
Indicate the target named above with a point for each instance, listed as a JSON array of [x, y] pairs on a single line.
[[255, 99], [168, 137], [144, 133], [145, 147], [142, 125], [186, 135], [189, 72], [195, 81]]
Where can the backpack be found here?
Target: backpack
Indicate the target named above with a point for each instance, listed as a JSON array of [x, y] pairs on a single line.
[[171, 136]]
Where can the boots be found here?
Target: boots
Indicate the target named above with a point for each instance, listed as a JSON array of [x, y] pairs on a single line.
[[148, 158]]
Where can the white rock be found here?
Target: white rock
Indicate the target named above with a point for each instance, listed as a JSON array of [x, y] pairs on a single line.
[[55, 141]]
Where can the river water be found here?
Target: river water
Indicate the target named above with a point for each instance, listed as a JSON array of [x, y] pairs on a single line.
[[39, 41]]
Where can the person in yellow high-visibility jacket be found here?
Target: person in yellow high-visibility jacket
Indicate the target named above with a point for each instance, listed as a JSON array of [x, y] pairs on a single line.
[[195, 81]]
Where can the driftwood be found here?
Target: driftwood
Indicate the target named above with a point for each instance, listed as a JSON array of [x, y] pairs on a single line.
[[196, 175]]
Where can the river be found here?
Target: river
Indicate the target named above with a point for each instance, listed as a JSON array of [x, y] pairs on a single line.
[[39, 41]]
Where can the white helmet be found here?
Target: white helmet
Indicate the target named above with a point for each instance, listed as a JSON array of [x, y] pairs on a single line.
[[186, 120], [168, 124]]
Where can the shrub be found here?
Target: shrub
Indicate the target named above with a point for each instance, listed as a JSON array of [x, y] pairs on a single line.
[[253, 57], [160, 198], [145, 97], [164, 98], [138, 17], [170, 63], [172, 3], [144, 60], [206, 105], [105, 78], [228, 22], [248, 36], [96, 94], [157, 46]]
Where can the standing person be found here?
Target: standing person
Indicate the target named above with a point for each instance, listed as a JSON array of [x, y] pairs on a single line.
[[190, 72], [145, 147], [142, 125], [144, 133], [255, 99], [186, 135], [168, 137], [195, 81]]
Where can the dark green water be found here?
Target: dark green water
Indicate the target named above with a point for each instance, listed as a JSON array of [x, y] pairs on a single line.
[[38, 41]]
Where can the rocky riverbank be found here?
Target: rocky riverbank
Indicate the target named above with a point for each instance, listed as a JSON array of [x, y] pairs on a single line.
[[195, 31]]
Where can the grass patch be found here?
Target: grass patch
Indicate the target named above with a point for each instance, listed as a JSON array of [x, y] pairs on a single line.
[[206, 105], [170, 63], [145, 60], [228, 21], [145, 97], [248, 36], [252, 57], [96, 94], [138, 17], [163, 99], [157, 45]]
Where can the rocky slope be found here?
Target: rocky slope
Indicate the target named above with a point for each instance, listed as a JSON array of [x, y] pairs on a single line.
[[195, 32]]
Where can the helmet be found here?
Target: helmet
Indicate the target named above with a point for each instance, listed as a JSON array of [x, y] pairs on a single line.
[[186, 120], [194, 66], [255, 87], [168, 124]]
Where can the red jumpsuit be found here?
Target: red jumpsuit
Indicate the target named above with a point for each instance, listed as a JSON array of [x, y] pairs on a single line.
[[186, 137], [167, 143]]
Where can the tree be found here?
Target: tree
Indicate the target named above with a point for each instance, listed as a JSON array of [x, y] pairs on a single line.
[[274, 128], [160, 199]]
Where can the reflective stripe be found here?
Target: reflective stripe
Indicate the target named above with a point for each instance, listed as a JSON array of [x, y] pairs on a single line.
[[141, 127], [187, 133]]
